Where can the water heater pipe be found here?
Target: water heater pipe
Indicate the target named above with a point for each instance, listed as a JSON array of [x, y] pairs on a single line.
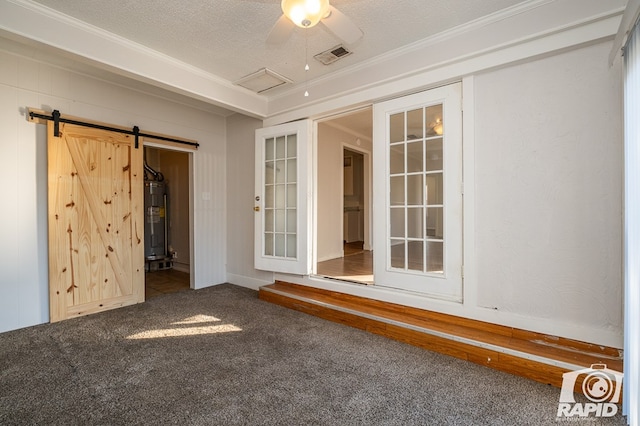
[[157, 176]]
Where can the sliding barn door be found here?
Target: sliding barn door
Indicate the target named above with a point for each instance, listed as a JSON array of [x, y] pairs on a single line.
[[96, 252]]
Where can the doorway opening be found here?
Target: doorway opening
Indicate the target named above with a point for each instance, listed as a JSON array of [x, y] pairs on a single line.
[[167, 231], [344, 199]]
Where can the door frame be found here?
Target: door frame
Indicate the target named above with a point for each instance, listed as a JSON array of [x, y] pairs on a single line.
[[468, 305], [368, 194], [154, 143], [314, 186], [467, 291]]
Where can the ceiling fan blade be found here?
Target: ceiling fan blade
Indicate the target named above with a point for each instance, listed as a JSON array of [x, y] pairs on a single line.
[[281, 31], [342, 26]]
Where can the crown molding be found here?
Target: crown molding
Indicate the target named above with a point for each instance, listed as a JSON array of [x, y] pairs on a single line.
[[524, 31], [630, 18], [106, 50], [420, 45], [520, 33]]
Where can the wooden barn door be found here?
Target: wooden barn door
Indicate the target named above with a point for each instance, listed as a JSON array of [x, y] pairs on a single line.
[[96, 241]]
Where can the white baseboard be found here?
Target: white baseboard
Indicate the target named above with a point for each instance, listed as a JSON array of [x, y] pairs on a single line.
[[248, 282]]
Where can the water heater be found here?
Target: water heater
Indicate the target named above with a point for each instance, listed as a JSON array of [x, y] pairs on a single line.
[[155, 224]]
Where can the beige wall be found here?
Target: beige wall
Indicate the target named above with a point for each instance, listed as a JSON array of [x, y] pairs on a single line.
[[331, 144]]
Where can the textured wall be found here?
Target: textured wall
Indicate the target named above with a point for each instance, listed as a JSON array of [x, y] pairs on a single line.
[[549, 187], [240, 202], [23, 227]]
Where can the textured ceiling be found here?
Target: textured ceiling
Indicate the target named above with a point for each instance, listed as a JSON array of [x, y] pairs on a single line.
[[227, 37]]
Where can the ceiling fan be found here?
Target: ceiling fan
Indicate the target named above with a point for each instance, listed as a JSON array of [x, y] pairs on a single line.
[[306, 14]]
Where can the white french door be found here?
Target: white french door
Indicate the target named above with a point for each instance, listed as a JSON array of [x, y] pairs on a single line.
[[417, 154], [283, 198]]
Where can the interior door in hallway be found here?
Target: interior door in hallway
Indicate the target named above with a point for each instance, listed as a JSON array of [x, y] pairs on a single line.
[[96, 253]]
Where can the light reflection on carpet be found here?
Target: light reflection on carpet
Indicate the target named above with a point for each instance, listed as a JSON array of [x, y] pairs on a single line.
[[188, 331]]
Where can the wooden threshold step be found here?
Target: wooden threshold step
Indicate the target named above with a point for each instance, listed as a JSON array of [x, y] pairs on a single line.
[[533, 355]]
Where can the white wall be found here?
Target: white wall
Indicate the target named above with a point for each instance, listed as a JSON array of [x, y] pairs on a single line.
[[549, 164], [240, 202], [331, 142], [24, 298], [25, 82]]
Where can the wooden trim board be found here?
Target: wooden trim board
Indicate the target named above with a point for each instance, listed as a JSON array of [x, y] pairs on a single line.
[[524, 353]]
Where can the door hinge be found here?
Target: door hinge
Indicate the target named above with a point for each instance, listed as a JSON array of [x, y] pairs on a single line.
[[462, 271]]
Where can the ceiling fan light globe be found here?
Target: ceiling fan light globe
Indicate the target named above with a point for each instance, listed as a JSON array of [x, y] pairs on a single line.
[[305, 13]]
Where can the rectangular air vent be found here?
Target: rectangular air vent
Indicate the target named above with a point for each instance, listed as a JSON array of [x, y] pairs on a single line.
[[330, 56], [261, 80]]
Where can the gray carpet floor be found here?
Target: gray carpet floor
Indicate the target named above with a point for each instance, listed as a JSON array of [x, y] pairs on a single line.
[[221, 356]]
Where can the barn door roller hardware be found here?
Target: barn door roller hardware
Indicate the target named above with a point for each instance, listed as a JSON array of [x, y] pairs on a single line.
[[57, 119]]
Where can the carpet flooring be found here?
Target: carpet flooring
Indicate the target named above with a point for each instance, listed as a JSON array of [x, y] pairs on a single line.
[[221, 356]]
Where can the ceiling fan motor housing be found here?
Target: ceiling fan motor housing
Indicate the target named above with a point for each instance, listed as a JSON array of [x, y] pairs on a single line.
[[305, 13]]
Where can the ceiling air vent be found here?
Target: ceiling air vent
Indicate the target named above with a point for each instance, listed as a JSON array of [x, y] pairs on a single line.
[[333, 54], [261, 80]]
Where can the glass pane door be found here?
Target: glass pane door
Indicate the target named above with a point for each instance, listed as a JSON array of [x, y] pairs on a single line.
[[417, 146], [282, 200], [416, 171]]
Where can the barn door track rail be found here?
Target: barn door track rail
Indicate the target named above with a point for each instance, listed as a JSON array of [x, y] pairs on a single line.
[[42, 117]]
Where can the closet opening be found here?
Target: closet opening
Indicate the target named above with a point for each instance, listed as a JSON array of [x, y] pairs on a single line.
[[167, 245]]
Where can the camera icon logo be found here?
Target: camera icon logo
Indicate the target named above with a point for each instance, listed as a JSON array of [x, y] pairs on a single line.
[[600, 385]]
